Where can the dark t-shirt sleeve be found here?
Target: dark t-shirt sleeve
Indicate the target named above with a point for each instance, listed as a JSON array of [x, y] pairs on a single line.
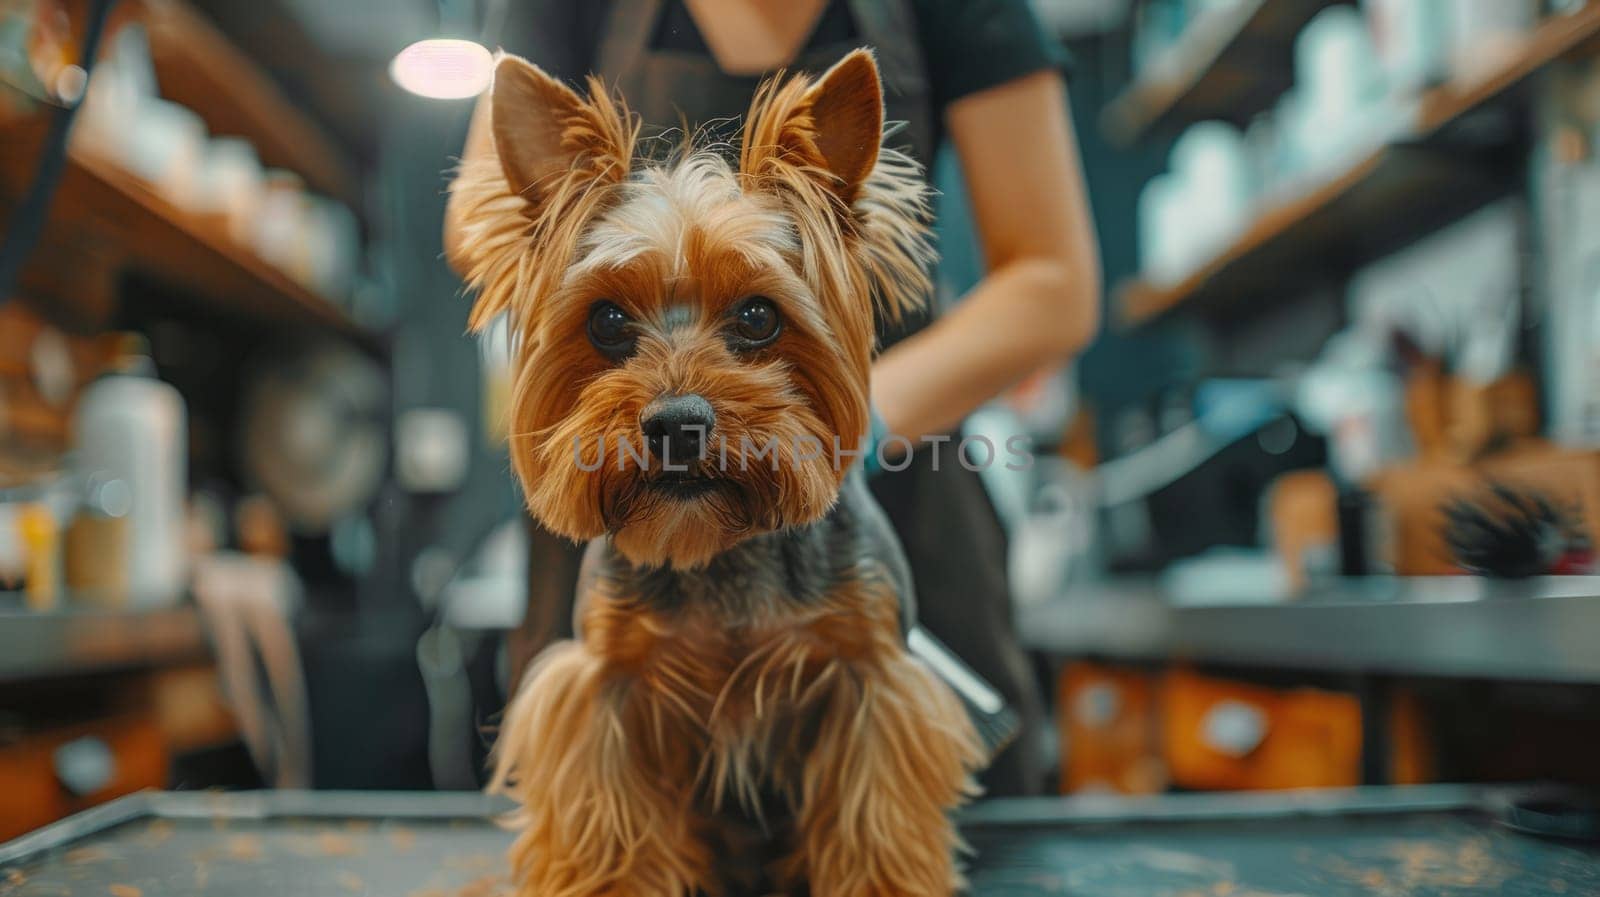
[[972, 45]]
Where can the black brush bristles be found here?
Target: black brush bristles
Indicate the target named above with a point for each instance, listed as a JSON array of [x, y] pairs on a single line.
[[1510, 532]]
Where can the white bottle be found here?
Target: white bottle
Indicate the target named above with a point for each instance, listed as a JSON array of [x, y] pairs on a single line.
[[132, 427], [1413, 42], [1341, 88], [1486, 34]]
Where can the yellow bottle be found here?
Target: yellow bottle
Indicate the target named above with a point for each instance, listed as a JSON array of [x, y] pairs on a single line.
[[41, 539]]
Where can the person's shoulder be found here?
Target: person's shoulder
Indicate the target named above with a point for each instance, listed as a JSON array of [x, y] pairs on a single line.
[[972, 45]]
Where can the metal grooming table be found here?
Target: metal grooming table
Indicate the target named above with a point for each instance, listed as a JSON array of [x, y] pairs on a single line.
[[1433, 841]]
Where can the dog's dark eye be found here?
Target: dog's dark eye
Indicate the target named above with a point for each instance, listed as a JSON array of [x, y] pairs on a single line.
[[755, 323], [611, 330]]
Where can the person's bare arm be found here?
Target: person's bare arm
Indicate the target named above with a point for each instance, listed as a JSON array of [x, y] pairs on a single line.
[[480, 143], [1039, 304]]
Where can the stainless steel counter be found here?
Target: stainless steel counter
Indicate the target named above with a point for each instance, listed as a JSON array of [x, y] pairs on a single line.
[[75, 641], [1538, 629]]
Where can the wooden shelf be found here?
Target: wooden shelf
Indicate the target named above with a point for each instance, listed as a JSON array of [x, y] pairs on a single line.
[[77, 641], [198, 67], [1230, 64], [1452, 162], [105, 222], [1555, 39], [1458, 626], [1388, 199]]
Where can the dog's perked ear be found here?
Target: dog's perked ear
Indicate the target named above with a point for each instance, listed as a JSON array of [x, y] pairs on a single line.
[[830, 128], [544, 131], [523, 207], [817, 143], [847, 115]]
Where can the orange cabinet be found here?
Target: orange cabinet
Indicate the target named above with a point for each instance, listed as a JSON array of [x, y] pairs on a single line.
[[1218, 734], [1108, 722], [1134, 731], [47, 775]]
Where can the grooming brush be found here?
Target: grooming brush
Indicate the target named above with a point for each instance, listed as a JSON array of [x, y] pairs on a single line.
[[996, 722], [1513, 533]]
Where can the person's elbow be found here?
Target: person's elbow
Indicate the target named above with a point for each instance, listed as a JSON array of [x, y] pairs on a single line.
[[1069, 283]]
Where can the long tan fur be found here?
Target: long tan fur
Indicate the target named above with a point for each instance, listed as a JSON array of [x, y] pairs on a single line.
[[616, 744], [636, 753]]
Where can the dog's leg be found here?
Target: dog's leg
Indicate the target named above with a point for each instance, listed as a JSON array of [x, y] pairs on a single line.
[[890, 761], [599, 815]]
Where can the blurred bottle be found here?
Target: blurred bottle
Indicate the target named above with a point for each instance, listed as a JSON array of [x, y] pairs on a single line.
[[1212, 166], [41, 539], [95, 551], [1162, 253], [1413, 41], [131, 427], [1340, 88], [281, 228], [109, 124], [231, 186], [1485, 34]]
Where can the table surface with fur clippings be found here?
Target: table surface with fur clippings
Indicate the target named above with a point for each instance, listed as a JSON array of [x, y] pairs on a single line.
[[1436, 841]]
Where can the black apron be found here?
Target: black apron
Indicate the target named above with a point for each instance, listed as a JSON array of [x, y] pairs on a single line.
[[953, 539]]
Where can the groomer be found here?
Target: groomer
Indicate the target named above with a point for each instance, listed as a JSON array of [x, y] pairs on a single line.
[[979, 74]]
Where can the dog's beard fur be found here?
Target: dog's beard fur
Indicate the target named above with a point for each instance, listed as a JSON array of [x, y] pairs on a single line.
[[814, 216]]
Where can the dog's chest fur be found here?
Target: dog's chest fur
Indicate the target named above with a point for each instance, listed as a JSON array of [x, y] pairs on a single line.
[[765, 576], [731, 667], [733, 647]]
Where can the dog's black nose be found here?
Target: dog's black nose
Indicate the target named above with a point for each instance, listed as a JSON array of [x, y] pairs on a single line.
[[678, 428]]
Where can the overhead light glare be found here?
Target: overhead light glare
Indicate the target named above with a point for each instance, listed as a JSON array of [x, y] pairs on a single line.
[[443, 68]]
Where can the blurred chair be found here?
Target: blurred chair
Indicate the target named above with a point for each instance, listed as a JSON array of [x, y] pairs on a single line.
[[248, 603]]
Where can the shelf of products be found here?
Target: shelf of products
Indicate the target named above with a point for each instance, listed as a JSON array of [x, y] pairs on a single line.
[[1391, 197], [1232, 62], [198, 67], [1539, 629], [35, 645], [108, 222]]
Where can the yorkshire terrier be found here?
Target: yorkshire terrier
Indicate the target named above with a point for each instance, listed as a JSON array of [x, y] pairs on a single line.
[[739, 714]]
